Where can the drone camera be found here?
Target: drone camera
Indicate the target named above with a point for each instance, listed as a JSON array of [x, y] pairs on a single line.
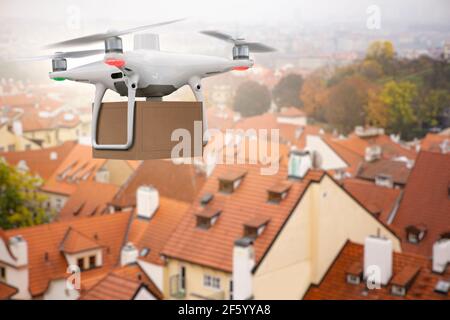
[[59, 64]]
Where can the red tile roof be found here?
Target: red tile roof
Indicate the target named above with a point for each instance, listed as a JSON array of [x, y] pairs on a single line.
[[77, 166], [426, 201], [32, 120], [350, 157], [214, 247], [75, 241], [7, 291], [153, 234], [39, 161], [433, 142], [398, 170], [45, 241], [334, 286], [180, 182], [122, 284], [90, 198], [380, 201]]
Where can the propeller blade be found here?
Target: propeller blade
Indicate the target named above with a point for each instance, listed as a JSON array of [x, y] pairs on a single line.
[[71, 54], [218, 35], [103, 36], [258, 47]]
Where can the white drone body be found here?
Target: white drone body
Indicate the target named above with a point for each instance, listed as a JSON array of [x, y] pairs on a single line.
[[145, 73]]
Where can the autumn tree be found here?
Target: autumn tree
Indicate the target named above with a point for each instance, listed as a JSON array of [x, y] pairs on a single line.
[[286, 92], [21, 204], [252, 99], [314, 95], [347, 103], [382, 52], [432, 107]]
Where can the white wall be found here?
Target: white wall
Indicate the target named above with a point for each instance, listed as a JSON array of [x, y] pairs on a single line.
[[57, 290], [154, 272], [144, 294], [328, 159]]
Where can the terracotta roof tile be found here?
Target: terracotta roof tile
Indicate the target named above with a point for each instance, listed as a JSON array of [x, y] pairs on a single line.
[[214, 247], [433, 142], [398, 170], [7, 291], [87, 201], [180, 182], [39, 161], [45, 240], [334, 286], [75, 241], [426, 201], [380, 201]]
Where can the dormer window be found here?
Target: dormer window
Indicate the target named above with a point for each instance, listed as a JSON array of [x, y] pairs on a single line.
[[278, 192], [206, 198], [354, 273], [442, 287], [2, 274], [230, 181], [207, 218], [415, 234], [384, 180], [255, 227], [403, 280]]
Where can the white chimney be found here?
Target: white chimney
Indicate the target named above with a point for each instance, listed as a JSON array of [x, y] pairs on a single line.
[[129, 254], [17, 127], [53, 155], [372, 153], [299, 163], [147, 201], [19, 249], [378, 260], [441, 255], [243, 263], [102, 175]]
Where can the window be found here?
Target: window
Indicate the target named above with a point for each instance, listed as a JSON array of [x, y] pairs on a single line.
[[80, 263], [211, 282], [250, 232], [231, 289], [226, 186], [2, 274], [58, 204], [11, 148], [398, 291], [353, 279], [92, 260], [183, 278], [28, 147], [203, 222]]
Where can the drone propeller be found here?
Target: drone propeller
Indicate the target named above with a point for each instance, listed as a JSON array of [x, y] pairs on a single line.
[[63, 55], [252, 46], [106, 35]]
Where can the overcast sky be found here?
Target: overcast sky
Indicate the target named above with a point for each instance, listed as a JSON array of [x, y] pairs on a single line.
[[252, 11]]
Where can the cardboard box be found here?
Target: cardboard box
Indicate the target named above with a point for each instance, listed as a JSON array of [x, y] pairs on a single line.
[[153, 126]]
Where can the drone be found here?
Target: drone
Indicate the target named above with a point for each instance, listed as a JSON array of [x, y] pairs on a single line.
[[146, 72]]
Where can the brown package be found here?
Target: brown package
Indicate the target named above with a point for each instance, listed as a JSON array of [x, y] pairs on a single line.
[[154, 123]]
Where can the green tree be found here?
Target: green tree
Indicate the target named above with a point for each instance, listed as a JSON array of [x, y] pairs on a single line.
[[382, 52], [21, 204], [286, 92], [252, 99], [432, 108], [399, 99]]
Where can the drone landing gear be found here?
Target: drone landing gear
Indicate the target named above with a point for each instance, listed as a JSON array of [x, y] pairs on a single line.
[[196, 87], [100, 90]]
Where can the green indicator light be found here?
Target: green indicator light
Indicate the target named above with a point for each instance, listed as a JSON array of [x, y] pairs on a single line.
[[59, 79]]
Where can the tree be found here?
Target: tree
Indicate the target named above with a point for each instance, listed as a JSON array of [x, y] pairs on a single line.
[[376, 111], [347, 104], [314, 96], [286, 92], [433, 107], [382, 52], [252, 99], [21, 204], [399, 99]]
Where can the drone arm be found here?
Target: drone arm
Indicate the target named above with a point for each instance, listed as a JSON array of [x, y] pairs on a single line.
[[196, 87]]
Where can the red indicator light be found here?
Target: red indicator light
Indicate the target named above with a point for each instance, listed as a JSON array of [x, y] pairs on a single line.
[[115, 62], [240, 68]]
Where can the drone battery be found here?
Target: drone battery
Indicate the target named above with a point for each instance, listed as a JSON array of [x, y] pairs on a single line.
[[162, 130]]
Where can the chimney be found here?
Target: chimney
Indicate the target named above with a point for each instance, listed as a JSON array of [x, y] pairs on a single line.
[[243, 263], [53, 155], [17, 128], [441, 255], [299, 163], [129, 254], [378, 260], [147, 201], [372, 153], [102, 175], [19, 248]]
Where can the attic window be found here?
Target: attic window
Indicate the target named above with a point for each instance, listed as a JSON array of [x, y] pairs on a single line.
[[415, 234], [144, 252], [403, 280], [206, 198], [442, 287], [354, 273], [278, 192], [207, 218], [230, 181], [255, 227]]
